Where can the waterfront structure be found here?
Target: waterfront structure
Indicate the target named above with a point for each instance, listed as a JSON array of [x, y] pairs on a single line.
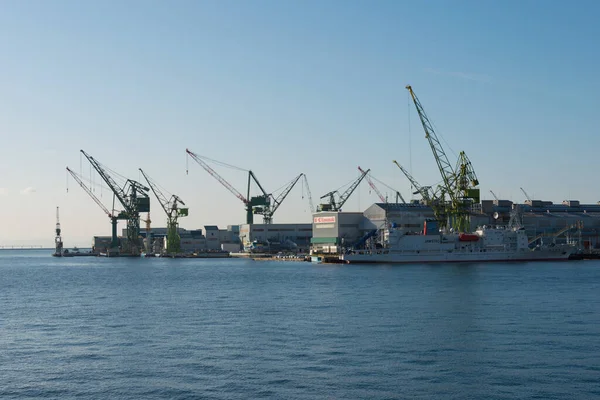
[[333, 230], [192, 241], [543, 221], [275, 237], [485, 244]]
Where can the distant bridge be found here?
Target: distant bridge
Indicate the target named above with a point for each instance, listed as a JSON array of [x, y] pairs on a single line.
[[24, 246]]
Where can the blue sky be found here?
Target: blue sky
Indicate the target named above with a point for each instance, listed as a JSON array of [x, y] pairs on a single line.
[[283, 87]]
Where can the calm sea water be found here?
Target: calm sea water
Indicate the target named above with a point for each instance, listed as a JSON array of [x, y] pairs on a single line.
[[90, 328]]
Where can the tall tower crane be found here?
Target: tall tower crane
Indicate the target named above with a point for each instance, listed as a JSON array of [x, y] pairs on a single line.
[[171, 208], [254, 205], [459, 200], [132, 196], [336, 205], [436, 147], [276, 201], [114, 242]]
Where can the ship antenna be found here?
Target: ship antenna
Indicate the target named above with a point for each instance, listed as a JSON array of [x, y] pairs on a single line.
[[516, 218]]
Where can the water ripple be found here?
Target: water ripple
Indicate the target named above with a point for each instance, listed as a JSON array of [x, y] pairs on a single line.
[[234, 329]]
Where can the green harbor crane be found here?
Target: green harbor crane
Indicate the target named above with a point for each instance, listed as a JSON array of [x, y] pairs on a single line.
[[173, 211], [133, 197], [434, 199], [466, 182], [336, 205], [276, 201], [458, 183], [426, 192], [264, 204]]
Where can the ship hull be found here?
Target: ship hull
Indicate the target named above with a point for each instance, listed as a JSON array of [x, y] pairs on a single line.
[[412, 258]]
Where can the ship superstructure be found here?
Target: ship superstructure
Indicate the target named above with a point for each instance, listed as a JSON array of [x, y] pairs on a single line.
[[484, 245]]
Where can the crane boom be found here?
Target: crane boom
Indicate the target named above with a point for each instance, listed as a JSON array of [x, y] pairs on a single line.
[[441, 159], [337, 206], [398, 194], [162, 199], [494, 194], [133, 198], [525, 193], [435, 200], [268, 216], [422, 190], [116, 189], [251, 175], [254, 205], [218, 177], [373, 186], [89, 192], [459, 182], [309, 194], [113, 218], [170, 205], [346, 195]]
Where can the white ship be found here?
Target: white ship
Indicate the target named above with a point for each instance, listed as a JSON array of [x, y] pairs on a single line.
[[486, 244]]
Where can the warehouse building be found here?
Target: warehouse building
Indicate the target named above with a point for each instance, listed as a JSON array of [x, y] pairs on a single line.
[[192, 241], [275, 237], [544, 219], [332, 230]]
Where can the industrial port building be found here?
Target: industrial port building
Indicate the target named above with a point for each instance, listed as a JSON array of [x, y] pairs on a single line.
[[331, 231], [192, 241], [279, 235], [543, 220]]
